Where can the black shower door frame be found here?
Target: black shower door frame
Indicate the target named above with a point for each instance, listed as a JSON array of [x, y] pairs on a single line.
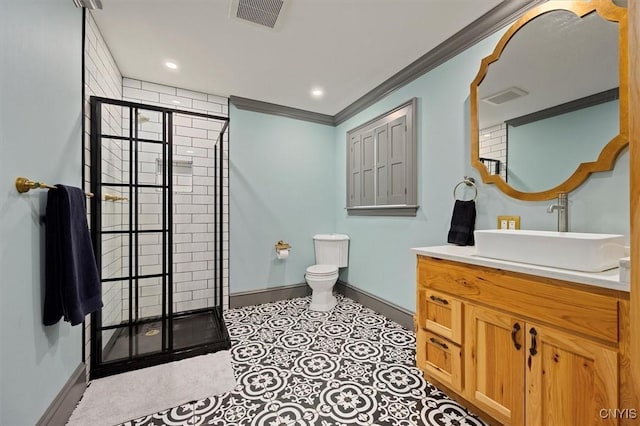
[[168, 353]]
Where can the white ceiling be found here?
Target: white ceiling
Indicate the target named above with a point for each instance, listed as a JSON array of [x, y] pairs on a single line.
[[347, 47]]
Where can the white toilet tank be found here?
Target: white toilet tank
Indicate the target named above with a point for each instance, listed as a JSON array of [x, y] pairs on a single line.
[[332, 249]]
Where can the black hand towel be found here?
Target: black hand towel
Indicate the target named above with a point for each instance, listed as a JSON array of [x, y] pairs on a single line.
[[463, 222], [72, 287]]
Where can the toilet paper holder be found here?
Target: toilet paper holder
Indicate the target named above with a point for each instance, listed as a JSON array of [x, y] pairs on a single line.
[[281, 245]]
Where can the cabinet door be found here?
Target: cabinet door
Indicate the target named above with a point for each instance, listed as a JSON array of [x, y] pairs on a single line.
[[494, 363], [382, 164], [355, 170], [570, 380], [368, 169], [397, 161]]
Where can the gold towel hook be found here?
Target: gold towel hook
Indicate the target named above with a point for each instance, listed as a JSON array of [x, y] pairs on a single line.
[[111, 197]]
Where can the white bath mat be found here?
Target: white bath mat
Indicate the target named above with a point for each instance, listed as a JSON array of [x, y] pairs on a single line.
[[116, 399]]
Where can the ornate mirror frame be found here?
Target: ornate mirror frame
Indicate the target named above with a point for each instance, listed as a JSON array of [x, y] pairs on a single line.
[[606, 160]]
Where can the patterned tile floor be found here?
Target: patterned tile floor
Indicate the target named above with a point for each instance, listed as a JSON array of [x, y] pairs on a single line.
[[296, 367]]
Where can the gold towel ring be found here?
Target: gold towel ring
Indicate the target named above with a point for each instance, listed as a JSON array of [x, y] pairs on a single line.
[[469, 181]]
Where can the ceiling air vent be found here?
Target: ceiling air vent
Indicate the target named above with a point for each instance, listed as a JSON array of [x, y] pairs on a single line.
[[260, 12], [89, 4], [505, 96]]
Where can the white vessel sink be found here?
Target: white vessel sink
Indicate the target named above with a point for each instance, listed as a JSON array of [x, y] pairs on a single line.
[[567, 250]]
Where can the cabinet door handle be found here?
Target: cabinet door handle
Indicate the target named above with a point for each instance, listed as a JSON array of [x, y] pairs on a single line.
[[533, 349], [439, 300], [514, 332], [439, 343]]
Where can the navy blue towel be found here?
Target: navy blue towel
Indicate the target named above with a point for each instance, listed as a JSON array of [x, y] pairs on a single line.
[[72, 287], [463, 223]]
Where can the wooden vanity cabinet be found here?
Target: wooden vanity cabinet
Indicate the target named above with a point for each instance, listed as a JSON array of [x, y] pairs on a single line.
[[519, 358]]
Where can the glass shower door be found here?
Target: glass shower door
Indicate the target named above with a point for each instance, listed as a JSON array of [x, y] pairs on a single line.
[[132, 225]]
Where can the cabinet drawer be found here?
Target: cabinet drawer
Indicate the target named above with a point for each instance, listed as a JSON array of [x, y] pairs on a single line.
[[441, 314], [440, 358]]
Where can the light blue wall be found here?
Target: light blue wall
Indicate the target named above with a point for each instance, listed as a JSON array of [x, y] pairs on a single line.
[[40, 137], [281, 187], [380, 260], [266, 206], [544, 153]]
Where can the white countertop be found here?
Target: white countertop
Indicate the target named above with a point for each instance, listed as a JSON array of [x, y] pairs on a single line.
[[608, 279]]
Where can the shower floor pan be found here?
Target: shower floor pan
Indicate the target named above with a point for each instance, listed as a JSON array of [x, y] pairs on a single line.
[[190, 330]]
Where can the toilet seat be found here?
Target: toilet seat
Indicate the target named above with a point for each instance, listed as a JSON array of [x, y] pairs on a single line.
[[322, 270]]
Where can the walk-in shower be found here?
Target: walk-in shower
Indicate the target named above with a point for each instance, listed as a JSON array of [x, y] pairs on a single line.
[[157, 229]]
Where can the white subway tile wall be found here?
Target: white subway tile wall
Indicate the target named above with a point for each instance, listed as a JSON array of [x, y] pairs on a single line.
[[103, 78], [493, 144], [194, 202]]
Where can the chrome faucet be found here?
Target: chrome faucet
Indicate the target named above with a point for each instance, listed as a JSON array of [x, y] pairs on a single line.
[[562, 207]]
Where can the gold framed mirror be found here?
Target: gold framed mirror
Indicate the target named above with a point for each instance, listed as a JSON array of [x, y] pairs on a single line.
[[550, 105]]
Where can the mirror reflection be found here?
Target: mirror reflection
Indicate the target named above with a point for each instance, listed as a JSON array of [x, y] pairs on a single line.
[[550, 102]]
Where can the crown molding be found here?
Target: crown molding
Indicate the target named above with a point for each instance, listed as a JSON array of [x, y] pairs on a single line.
[[495, 19], [281, 110], [575, 105]]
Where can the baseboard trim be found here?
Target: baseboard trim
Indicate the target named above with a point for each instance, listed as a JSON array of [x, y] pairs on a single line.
[[274, 294], [65, 402], [381, 306], [268, 295]]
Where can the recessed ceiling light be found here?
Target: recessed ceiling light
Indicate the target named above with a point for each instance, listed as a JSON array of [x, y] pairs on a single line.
[[171, 65], [189, 152], [175, 101], [317, 92]]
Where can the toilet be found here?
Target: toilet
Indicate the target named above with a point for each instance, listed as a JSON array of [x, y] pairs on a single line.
[[332, 253]]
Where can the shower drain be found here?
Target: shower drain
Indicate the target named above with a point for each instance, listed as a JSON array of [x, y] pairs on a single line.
[[152, 332]]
